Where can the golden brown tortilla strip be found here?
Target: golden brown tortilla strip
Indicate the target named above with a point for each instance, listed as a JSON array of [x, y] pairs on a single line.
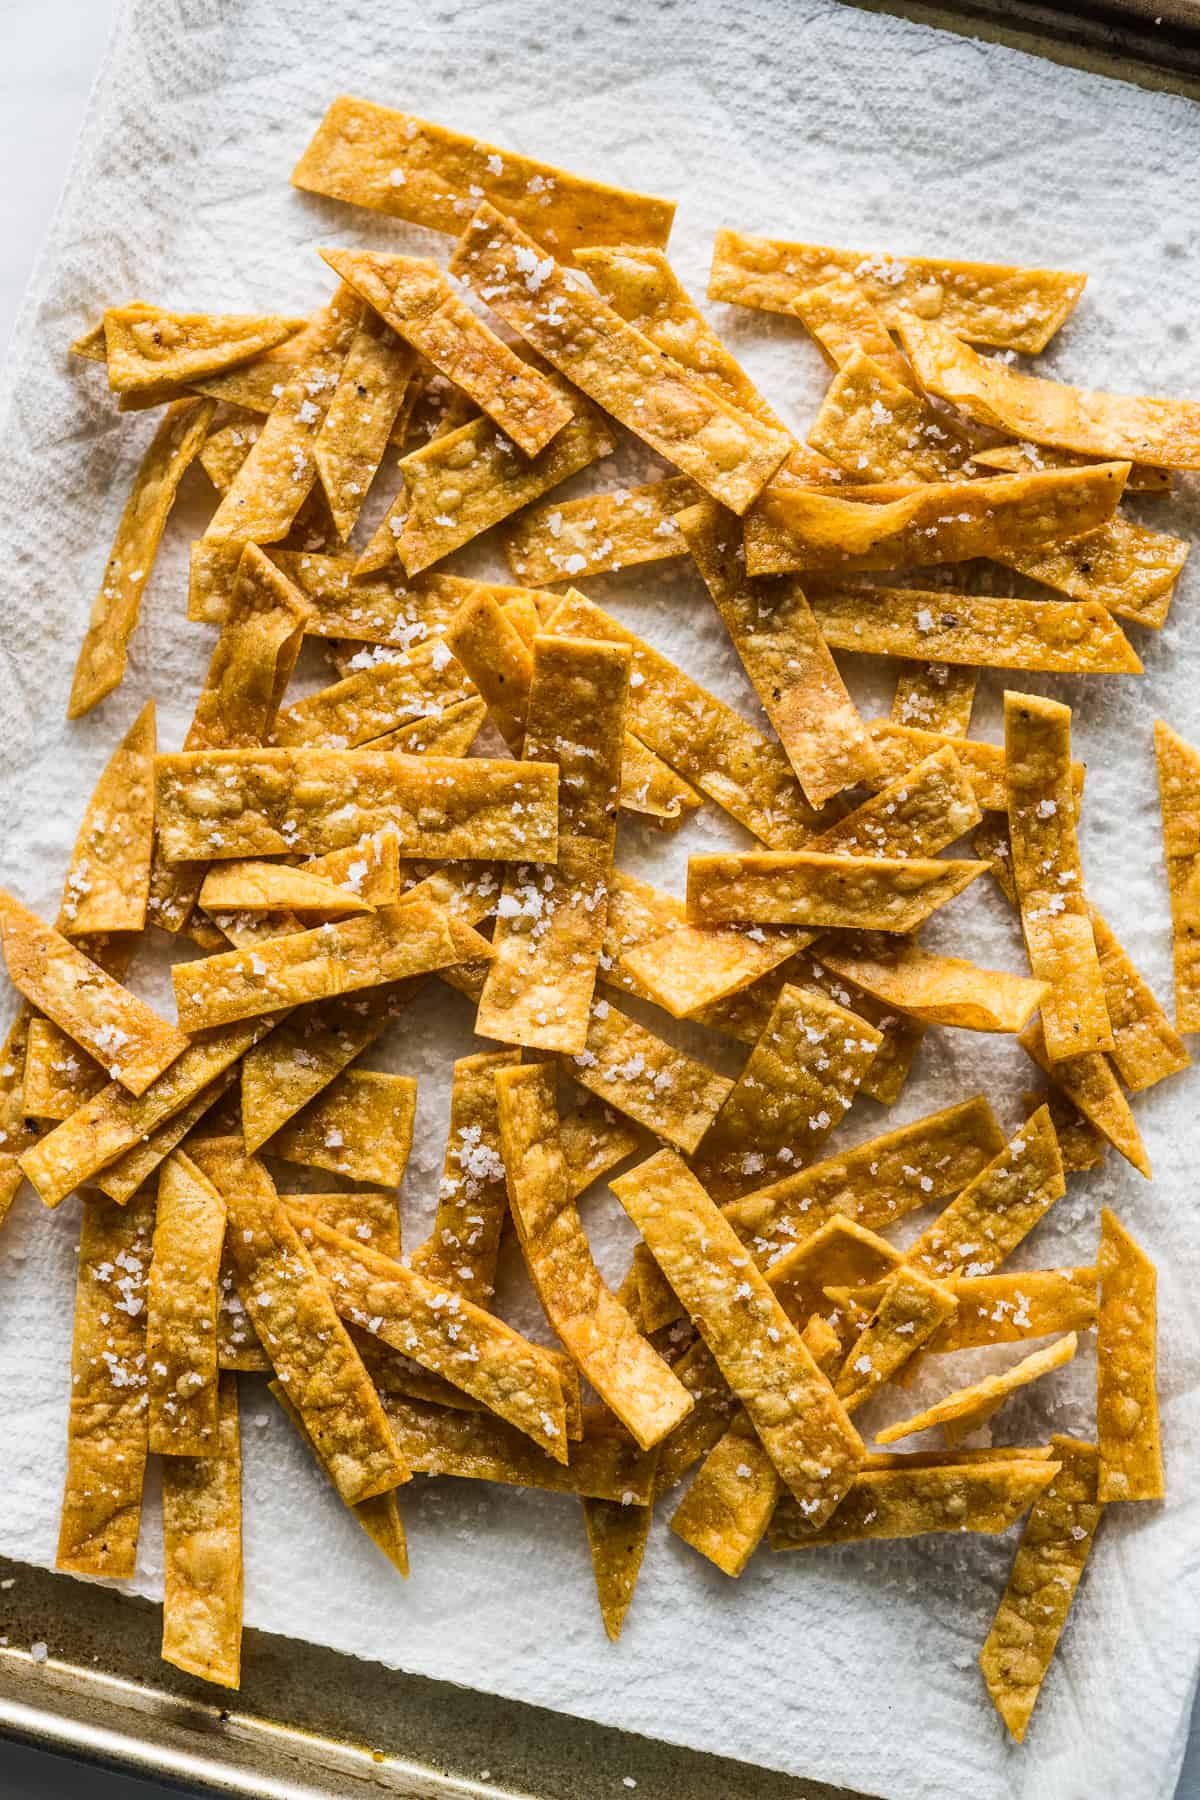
[[728, 453], [813, 888], [266, 887], [1010, 459], [462, 1249], [872, 425], [101, 662], [937, 696], [941, 990], [58, 1075], [616, 1535], [379, 1516], [594, 1140], [397, 1375], [729, 1505], [386, 609], [989, 303], [900, 1036], [225, 450], [360, 1127], [1125, 567], [841, 1253], [902, 747], [630, 1377], [121, 1179], [923, 808], [106, 1429], [144, 348], [202, 1554], [997, 1209], [982, 1397], [368, 1214], [252, 660], [108, 880], [1055, 918], [361, 708], [1091, 1085], [600, 532], [657, 1086], [181, 1312], [1131, 1463], [844, 321], [908, 1502], [605, 1464], [372, 384], [1179, 797], [449, 734], [1145, 1047], [688, 968], [1007, 1308], [910, 1311], [1080, 1144]]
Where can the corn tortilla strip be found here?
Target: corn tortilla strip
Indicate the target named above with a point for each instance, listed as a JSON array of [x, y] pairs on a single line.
[[1007, 1308], [202, 1554], [226, 449], [1120, 427], [365, 705], [795, 1088], [379, 1516], [1055, 918], [1146, 1049], [1179, 797], [782, 649], [813, 888], [253, 659], [108, 880], [267, 887], [1131, 1463], [873, 426], [902, 747], [840, 1253], [989, 303], [181, 1312], [462, 1249], [368, 1214], [900, 1036], [1124, 566], [101, 662], [630, 1377], [594, 1139], [58, 1075], [1080, 1144], [360, 1127], [909, 1313], [1072, 637], [655, 1085], [656, 1297], [904, 1503], [385, 609], [997, 1209], [121, 1179], [145, 348], [1010, 459], [712, 1408], [730, 1502], [689, 967], [106, 1429], [605, 1464], [91, 343], [372, 384], [616, 1535], [937, 696], [919, 810], [940, 990], [449, 734], [844, 321], [1092, 1087], [984, 1396], [398, 1376], [600, 532]]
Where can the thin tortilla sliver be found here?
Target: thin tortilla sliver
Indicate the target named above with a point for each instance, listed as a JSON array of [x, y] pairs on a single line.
[[936, 695], [385, 609], [372, 385], [144, 348], [902, 747], [983, 1396], [910, 1312], [121, 1179], [997, 1209], [605, 1464], [361, 708], [463, 1247], [360, 1127], [989, 303], [1006, 1308], [940, 990], [106, 1429], [202, 1554], [1010, 459], [101, 662], [1131, 1463], [181, 1312], [108, 879], [909, 1502], [1145, 1048], [267, 887], [844, 321], [1091, 1085], [929, 805], [226, 449], [368, 1214], [379, 1516], [651, 1082], [616, 1535], [58, 1075], [599, 533], [813, 888], [630, 1377], [1179, 797]]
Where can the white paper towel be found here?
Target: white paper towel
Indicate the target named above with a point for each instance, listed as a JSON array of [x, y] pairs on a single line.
[[799, 118]]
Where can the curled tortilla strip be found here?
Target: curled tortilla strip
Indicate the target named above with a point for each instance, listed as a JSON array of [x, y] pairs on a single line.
[[360, 1127], [903, 1502], [813, 888], [1131, 1463], [1091, 1086], [600, 532], [940, 990], [108, 880], [202, 1554], [984, 1396], [181, 1312], [1010, 459], [844, 321], [655, 1085], [997, 1209], [267, 887], [1179, 797]]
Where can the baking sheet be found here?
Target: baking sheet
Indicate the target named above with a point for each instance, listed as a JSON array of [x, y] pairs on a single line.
[[811, 120]]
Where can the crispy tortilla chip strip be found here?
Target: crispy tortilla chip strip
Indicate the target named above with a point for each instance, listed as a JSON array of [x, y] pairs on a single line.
[[411, 169], [903, 1502], [841, 1253], [462, 1249], [105, 1019], [1145, 1047], [902, 747], [368, 1214], [910, 1311], [978, 1402], [940, 990], [1055, 917], [1005, 1309], [59, 1076], [630, 1377], [616, 1535], [599, 533], [1080, 1144], [371, 387], [360, 1127], [936, 696], [143, 349], [1131, 1464], [989, 303], [202, 1553], [1125, 567], [872, 425], [181, 1312], [226, 449], [926, 806], [997, 1209], [395, 1374], [230, 803], [1179, 797], [1119, 427], [108, 880], [712, 1408], [365, 705], [91, 343], [605, 1465], [727, 452], [550, 924], [844, 321], [900, 1036], [813, 888], [385, 609], [594, 1140], [689, 968], [730, 1503], [1090, 1084], [121, 1179], [266, 887], [1010, 459], [649, 1081], [101, 663], [449, 734], [106, 1429], [253, 659], [797, 1085], [379, 1516]]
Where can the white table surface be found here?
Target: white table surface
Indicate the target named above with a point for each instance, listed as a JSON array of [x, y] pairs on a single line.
[[50, 51]]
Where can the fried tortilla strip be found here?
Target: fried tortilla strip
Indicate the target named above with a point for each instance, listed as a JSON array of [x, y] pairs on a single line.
[[594, 1140], [908, 1502], [940, 990], [101, 663], [900, 1036], [360, 1127], [605, 1464], [379, 1516], [657, 1086], [1179, 797], [1074, 637], [841, 1253], [1131, 1463], [368, 1214], [1091, 1086], [226, 449], [600, 532], [91, 343], [1145, 1047], [910, 1311], [727, 452], [926, 806], [784, 653], [813, 888], [1055, 917], [411, 169], [1080, 1144], [1118, 427], [844, 322], [971, 1406], [997, 1209], [713, 1407], [267, 887], [688, 968], [989, 303], [730, 1503], [1010, 459], [229, 803], [795, 1088], [106, 1429], [449, 734], [902, 747], [616, 1534], [1004, 1309], [936, 696], [181, 1312], [108, 880], [551, 917], [121, 1179], [398, 1375], [202, 1553], [58, 1075], [872, 425], [253, 659], [361, 708], [949, 521], [144, 349], [462, 1249], [372, 386], [385, 609], [1125, 567], [630, 1377]]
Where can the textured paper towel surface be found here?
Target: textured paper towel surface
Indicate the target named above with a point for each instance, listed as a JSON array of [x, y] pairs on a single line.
[[803, 119]]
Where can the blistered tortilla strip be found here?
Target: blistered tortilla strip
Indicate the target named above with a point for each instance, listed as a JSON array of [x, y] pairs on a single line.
[[1146, 1049], [1120, 427], [997, 1209], [1080, 1145], [1131, 1463], [657, 1305], [873, 426], [121, 1179], [225, 450], [729, 1504], [252, 660], [106, 1421], [1010, 459], [120, 1031], [385, 609], [144, 349], [982, 1397], [936, 696], [900, 1036], [616, 1535], [599, 533], [108, 880], [841, 1253], [649, 1081], [368, 1214], [360, 1127], [978, 630], [397, 1375], [704, 740], [939, 521], [411, 169], [844, 321], [782, 649], [462, 1249], [266, 887], [988, 303], [605, 1464], [361, 708], [630, 1377], [1122, 565], [940, 990], [713, 1407], [222, 804], [920, 809], [815, 889], [379, 1516], [902, 747], [727, 452], [795, 1088], [909, 1313], [58, 1075], [372, 383], [1006, 1308], [1179, 797], [91, 344], [690, 967], [450, 733], [1091, 1085], [904, 1503], [181, 1312], [101, 662], [202, 1553]]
